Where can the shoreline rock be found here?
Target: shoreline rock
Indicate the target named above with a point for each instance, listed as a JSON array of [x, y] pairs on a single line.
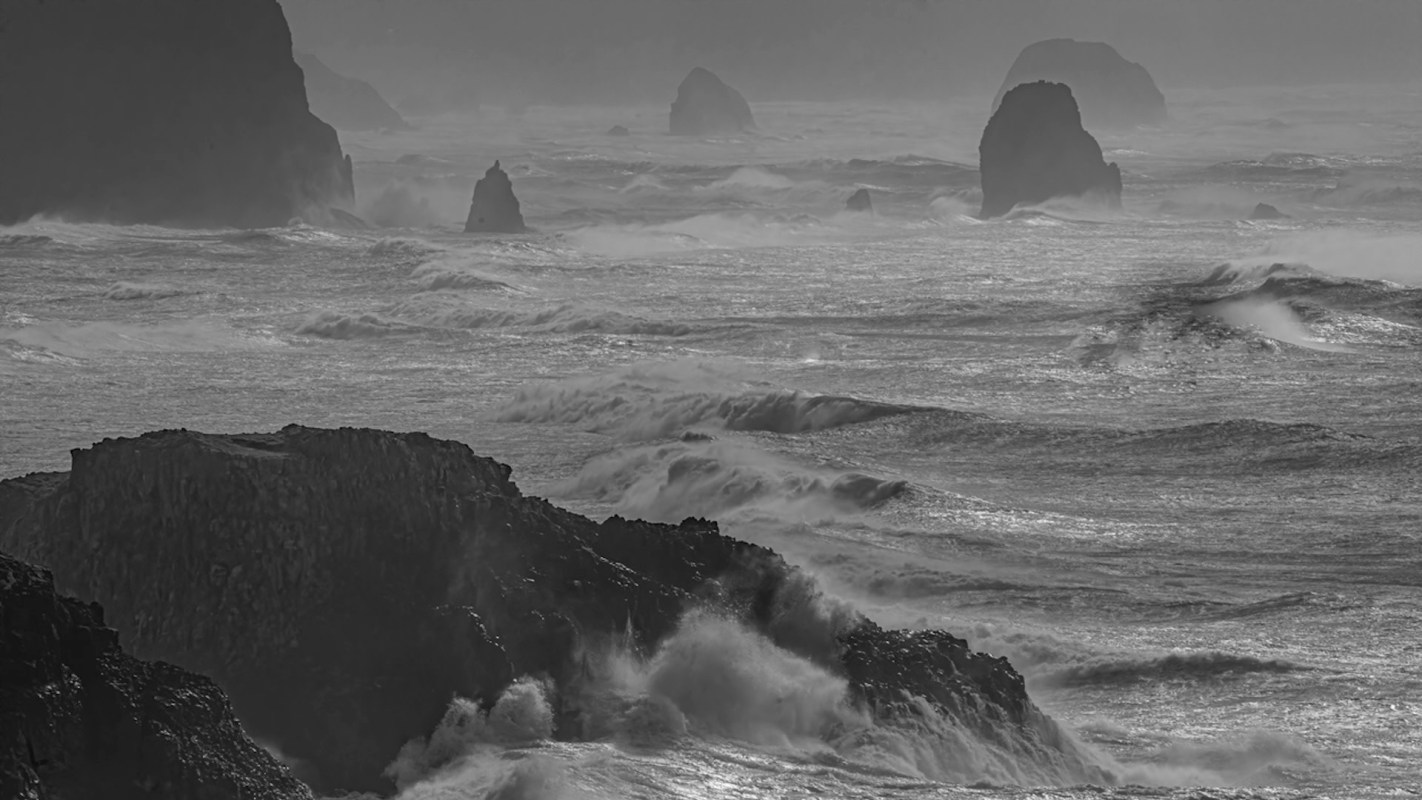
[[706, 106], [1111, 91], [494, 208], [1034, 149], [168, 112]]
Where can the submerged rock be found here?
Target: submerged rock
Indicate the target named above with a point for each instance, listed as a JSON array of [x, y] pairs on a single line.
[[343, 585], [349, 104], [82, 720], [859, 201], [1112, 92], [704, 105], [1266, 211], [1034, 149], [618, 130], [174, 112], [494, 208]]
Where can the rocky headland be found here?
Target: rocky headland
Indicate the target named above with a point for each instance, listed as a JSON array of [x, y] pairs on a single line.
[[171, 112], [1112, 92]]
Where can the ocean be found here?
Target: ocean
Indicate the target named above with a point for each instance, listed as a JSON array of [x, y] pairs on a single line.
[[1165, 460]]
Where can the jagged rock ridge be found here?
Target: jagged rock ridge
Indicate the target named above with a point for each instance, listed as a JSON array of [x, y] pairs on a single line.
[[494, 208], [350, 104], [705, 105], [175, 112], [81, 720], [1035, 149], [1112, 92], [342, 585]]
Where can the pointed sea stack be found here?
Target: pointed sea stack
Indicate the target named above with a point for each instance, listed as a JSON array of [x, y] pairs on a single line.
[[494, 208], [1034, 149], [347, 103], [82, 720], [859, 201], [172, 112], [705, 106], [344, 585], [1112, 92]]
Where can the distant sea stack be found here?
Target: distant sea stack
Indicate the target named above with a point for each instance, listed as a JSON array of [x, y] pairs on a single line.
[[1264, 211], [82, 720], [859, 201], [705, 106], [1034, 149], [175, 112], [494, 208], [344, 585], [347, 103], [1112, 92]]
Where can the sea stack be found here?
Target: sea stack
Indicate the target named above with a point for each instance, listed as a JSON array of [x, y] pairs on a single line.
[[1111, 91], [859, 201], [351, 582], [82, 720], [618, 130], [705, 106], [170, 112], [347, 103], [1264, 211], [1034, 149], [494, 208]]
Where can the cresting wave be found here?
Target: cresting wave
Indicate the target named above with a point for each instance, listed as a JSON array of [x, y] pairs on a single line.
[[438, 312]]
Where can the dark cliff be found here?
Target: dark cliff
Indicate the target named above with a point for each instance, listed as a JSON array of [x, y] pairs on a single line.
[[1034, 149], [81, 720], [349, 104], [1112, 92], [705, 105], [494, 208], [342, 585], [178, 112]]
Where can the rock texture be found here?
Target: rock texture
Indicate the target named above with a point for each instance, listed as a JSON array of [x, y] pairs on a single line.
[[1113, 92], [349, 104], [859, 201], [1034, 149], [342, 585], [494, 208], [704, 106], [176, 112], [81, 720]]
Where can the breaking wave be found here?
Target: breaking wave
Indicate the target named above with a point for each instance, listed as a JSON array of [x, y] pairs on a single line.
[[1175, 666], [142, 291]]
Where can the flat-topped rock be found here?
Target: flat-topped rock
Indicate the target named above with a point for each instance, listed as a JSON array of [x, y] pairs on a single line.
[[705, 105], [1111, 91]]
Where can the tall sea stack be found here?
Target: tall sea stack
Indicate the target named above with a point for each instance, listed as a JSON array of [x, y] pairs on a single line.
[[349, 104], [174, 112], [343, 585], [1112, 92], [1034, 149], [494, 208], [705, 105]]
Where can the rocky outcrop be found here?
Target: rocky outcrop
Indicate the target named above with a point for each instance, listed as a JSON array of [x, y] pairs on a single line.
[[349, 104], [342, 585], [1264, 211], [1112, 92], [81, 720], [174, 112], [1034, 149], [859, 201], [494, 208], [705, 106]]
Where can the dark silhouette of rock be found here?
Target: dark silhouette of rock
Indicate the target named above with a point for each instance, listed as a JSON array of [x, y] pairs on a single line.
[[618, 130], [1266, 211], [704, 105], [82, 720], [1034, 149], [1112, 92], [859, 201], [347, 103], [342, 585], [181, 112], [494, 208]]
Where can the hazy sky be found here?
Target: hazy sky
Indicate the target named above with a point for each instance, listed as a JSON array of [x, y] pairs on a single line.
[[609, 50]]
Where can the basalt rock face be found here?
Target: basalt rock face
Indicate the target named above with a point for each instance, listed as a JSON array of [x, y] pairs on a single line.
[[494, 208], [347, 103], [1034, 149], [1113, 92], [81, 720], [174, 112], [343, 585], [705, 105]]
